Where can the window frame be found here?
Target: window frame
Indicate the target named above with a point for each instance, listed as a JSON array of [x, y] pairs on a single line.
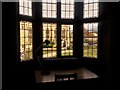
[[78, 21]]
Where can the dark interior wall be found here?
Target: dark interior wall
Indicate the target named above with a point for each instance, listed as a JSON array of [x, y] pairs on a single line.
[[9, 49], [15, 74], [108, 27]]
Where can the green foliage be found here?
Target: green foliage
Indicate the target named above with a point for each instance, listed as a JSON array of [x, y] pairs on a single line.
[[49, 45]]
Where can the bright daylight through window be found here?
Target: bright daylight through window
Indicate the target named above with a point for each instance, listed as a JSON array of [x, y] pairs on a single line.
[[55, 30], [25, 40], [49, 8], [67, 40], [25, 7], [90, 35], [91, 8], [49, 33], [67, 9]]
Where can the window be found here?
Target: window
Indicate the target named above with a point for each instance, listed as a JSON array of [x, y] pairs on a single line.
[[90, 30], [67, 40], [90, 34], [49, 51], [91, 8], [67, 9], [25, 7], [49, 8], [25, 40], [58, 31]]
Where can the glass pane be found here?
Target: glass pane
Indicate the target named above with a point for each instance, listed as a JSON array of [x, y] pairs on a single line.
[[63, 14], [67, 1], [67, 15], [90, 35], [53, 14], [30, 4], [90, 1], [54, 1], [90, 6], [86, 7], [95, 13], [49, 51], [71, 1], [71, 7], [62, 7], [44, 6], [62, 1], [90, 13], [96, 0], [67, 7], [25, 3], [30, 12], [44, 0], [85, 1], [53, 7], [71, 15], [95, 5], [21, 2], [21, 33], [49, 6], [26, 33], [67, 40], [85, 14], [21, 10], [44, 14], [26, 11], [49, 14], [25, 40]]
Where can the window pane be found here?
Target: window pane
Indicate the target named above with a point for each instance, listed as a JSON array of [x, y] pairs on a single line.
[[53, 14], [67, 15], [25, 40], [85, 14], [63, 15], [92, 7], [95, 13], [71, 1], [86, 7], [96, 6], [49, 13], [21, 3], [49, 51], [67, 7], [90, 1], [85, 1], [21, 10], [62, 7], [67, 40], [62, 1], [53, 7], [30, 12], [44, 14], [49, 7], [54, 1], [25, 7], [71, 8], [30, 4], [90, 13], [44, 6], [90, 34], [71, 15]]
